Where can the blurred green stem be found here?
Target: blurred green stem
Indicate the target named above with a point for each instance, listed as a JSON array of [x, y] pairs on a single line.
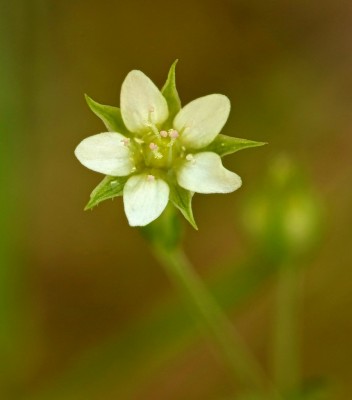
[[212, 319], [286, 343]]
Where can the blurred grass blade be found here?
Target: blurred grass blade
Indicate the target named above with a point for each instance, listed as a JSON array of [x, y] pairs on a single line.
[[13, 144]]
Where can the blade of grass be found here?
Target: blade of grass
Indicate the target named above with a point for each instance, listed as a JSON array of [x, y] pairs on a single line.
[[286, 333], [11, 126]]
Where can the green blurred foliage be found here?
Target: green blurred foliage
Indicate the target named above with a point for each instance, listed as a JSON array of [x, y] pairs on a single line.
[[75, 285], [284, 214]]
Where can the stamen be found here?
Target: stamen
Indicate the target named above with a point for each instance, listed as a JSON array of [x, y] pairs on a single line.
[[154, 129], [185, 128], [126, 141], [173, 134], [163, 134], [150, 178], [154, 148], [189, 157], [151, 115]]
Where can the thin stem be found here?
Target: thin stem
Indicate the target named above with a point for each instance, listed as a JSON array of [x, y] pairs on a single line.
[[286, 342], [229, 343]]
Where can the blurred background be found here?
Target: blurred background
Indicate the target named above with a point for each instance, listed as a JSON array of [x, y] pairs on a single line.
[[86, 311]]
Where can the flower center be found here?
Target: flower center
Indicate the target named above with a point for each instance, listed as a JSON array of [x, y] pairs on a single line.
[[159, 149], [157, 152]]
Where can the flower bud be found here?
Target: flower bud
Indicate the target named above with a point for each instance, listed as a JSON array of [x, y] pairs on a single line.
[[284, 215]]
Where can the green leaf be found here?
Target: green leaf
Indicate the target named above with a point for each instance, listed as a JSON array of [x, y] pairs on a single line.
[[224, 145], [111, 116], [182, 199], [169, 91], [108, 188]]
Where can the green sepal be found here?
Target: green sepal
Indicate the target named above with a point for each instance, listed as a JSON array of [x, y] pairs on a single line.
[[182, 199], [108, 188], [224, 145], [170, 93], [111, 116]]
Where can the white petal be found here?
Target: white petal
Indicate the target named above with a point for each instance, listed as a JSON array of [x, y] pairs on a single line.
[[204, 173], [105, 153], [202, 119], [141, 102], [145, 198]]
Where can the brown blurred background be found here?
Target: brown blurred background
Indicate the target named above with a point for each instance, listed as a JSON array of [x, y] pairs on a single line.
[[74, 283]]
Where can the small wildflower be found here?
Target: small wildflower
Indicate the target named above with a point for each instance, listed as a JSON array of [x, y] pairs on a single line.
[[160, 152]]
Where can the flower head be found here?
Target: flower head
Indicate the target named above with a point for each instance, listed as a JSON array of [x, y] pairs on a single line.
[[156, 151]]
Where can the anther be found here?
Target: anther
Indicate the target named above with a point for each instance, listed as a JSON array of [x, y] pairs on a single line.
[[163, 134], [173, 134], [151, 115], [185, 128], [189, 157], [154, 148], [126, 141], [150, 178]]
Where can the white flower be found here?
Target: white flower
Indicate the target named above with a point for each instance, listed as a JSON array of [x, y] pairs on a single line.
[[159, 153]]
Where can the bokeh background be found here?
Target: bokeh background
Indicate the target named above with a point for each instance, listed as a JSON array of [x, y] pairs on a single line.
[[86, 311]]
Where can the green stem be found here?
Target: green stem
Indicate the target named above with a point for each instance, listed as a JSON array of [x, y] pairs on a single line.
[[286, 343], [229, 343]]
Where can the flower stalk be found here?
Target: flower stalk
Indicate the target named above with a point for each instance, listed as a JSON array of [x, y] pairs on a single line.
[[286, 335], [214, 322]]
